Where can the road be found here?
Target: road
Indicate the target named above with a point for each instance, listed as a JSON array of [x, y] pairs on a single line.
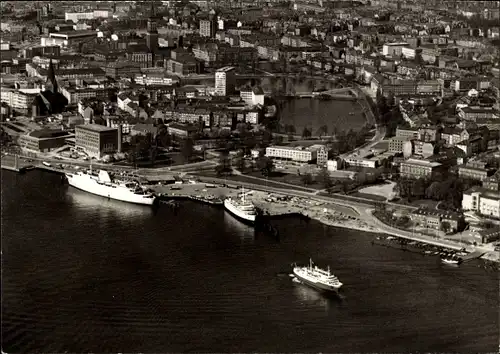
[[363, 211]]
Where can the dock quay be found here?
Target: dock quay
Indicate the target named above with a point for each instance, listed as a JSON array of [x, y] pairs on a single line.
[[11, 168], [196, 198], [473, 255]]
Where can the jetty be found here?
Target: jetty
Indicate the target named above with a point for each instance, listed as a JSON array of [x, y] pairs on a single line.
[[473, 255]]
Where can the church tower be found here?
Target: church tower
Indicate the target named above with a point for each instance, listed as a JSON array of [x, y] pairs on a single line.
[[152, 34], [51, 83]]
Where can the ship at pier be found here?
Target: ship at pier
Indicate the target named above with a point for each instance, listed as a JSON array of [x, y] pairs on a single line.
[[241, 209], [105, 186], [317, 278]]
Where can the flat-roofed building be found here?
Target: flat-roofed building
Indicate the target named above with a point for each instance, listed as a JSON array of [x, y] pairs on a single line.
[[252, 95], [414, 168], [225, 81], [483, 201], [393, 49], [96, 140], [407, 133], [183, 65], [396, 143], [290, 153], [65, 39], [19, 99], [44, 140]]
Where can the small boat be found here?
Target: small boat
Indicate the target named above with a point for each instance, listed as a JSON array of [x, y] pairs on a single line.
[[451, 260]]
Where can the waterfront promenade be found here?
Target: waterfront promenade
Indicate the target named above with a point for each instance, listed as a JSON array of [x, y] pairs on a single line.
[[327, 211]]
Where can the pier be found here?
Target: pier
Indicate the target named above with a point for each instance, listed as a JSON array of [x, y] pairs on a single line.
[[473, 255]]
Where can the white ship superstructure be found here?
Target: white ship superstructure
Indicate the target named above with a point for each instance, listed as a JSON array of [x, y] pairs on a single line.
[[317, 277], [242, 209], [103, 185]]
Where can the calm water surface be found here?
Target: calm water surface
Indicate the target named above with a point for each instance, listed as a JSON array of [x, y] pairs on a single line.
[[84, 274]]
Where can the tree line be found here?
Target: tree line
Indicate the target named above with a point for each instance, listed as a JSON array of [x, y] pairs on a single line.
[[449, 190]]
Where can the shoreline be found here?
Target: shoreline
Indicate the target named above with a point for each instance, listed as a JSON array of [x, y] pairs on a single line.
[[327, 213]]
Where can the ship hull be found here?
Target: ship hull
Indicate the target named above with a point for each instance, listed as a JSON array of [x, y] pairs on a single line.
[[238, 214], [318, 286], [117, 193]]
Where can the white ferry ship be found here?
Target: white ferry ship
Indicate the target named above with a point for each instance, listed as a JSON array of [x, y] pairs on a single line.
[[241, 209], [317, 278], [103, 185]]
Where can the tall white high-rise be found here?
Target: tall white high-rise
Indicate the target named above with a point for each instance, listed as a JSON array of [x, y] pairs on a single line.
[[225, 81]]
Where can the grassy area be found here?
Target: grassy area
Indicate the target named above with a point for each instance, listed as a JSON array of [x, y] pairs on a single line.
[[374, 197], [289, 178], [421, 203]]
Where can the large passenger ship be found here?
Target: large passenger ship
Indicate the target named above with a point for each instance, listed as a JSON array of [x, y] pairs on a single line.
[[241, 209], [105, 186], [317, 278]]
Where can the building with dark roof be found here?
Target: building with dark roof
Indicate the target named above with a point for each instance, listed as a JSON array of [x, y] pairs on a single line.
[[50, 101], [44, 140]]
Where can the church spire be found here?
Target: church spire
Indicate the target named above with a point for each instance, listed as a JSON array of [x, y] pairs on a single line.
[[152, 11], [51, 83]]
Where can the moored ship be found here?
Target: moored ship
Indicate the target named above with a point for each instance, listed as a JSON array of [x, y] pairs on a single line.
[[451, 260], [105, 186], [317, 278], [241, 209]]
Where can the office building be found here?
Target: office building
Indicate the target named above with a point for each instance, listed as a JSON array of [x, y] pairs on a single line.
[[96, 140], [225, 81], [414, 168]]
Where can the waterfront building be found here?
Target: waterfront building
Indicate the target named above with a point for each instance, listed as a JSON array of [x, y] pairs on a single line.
[[252, 95], [489, 235], [434, 219], [484, 201], [96, 140], [290, 153], [225, 81], [414, 168], [44, 140]]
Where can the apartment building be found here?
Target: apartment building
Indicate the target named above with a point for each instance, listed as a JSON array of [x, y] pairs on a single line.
[[20, 99], [475, 170], [74, 95], [396, 143], [225, 81], [252, 96]]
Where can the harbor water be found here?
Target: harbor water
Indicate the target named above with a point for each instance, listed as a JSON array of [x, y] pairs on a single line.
[[81, 273]]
